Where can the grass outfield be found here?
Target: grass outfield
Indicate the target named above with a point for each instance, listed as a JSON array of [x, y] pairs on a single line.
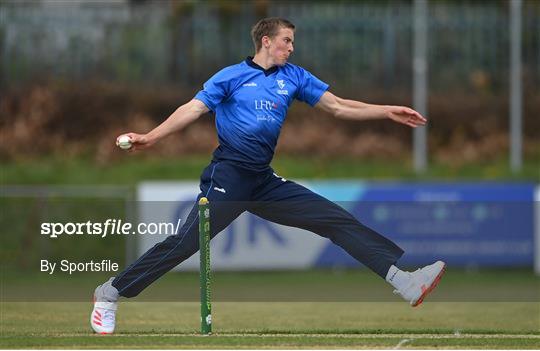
[[131, 169], [482, 309], [278, 325], [486, 309], [353, 285]]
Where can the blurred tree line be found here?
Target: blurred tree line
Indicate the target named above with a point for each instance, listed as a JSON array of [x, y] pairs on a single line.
[[74, 74]]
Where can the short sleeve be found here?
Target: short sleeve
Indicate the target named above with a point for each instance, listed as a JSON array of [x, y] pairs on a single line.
[[310, 88], [214, 91]]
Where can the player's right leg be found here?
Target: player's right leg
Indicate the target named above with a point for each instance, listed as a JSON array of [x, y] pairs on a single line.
[[157, 261], [103, 316], [162, 257]]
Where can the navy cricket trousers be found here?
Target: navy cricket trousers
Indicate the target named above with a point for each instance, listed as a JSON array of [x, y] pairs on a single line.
[[232, 190]]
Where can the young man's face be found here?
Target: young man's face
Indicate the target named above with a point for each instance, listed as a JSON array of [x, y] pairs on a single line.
[[281, 47]]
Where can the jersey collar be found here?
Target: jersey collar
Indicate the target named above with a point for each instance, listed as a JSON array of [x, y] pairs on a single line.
[[267, 72]]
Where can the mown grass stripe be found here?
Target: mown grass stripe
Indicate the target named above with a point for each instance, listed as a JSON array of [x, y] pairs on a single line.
[[301, 335]]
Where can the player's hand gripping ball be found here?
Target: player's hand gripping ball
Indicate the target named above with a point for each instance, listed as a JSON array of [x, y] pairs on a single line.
[[123, 142]]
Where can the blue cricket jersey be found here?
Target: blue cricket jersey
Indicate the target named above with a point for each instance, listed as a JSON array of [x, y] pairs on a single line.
[[251, 103]]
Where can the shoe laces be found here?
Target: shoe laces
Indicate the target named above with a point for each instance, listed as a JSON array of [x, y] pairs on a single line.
[[108, 316]]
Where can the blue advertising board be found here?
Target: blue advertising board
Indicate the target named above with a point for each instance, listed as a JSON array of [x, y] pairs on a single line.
[[467, 225], [476, 224]]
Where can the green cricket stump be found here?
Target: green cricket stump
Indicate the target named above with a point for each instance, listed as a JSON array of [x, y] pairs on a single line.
[[204, 250]]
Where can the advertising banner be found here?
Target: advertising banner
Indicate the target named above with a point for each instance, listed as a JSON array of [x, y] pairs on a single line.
[[465, 224]]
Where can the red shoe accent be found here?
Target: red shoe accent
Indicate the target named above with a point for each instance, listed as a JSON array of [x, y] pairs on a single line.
[[433, 285]]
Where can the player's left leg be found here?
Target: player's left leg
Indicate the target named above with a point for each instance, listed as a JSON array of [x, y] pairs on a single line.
[[291, 204]]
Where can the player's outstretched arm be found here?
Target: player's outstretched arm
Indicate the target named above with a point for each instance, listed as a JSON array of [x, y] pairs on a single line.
[[179, 119], [356, 110]]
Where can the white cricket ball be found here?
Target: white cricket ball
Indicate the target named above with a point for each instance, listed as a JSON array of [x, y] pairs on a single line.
[[124, 142]]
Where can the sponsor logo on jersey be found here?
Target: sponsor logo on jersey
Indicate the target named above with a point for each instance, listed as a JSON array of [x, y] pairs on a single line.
[[261, 108], [265, 105]]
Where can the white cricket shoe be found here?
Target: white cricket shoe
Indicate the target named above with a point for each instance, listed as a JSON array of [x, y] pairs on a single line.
[[103, 317], [422, 282]]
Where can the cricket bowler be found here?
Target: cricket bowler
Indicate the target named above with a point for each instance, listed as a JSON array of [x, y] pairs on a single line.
[[250, 101]]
